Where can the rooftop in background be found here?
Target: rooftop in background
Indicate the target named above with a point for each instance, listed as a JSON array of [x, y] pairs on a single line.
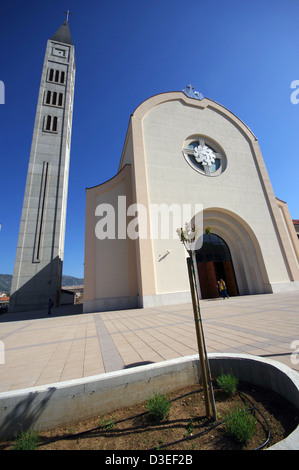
[[73, 288]]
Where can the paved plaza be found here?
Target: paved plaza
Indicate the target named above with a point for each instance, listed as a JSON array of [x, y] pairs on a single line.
[[42, 349]]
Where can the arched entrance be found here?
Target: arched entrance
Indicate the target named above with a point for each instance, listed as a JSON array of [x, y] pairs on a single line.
[[214, 262], [239, 255]]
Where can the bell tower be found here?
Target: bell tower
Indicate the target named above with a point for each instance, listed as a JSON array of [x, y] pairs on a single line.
[[38, 264]]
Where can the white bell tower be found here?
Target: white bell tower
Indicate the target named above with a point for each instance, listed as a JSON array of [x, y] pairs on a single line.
[[38, 265]]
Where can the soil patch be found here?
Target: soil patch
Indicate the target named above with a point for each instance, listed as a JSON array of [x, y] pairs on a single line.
[[187, 427]]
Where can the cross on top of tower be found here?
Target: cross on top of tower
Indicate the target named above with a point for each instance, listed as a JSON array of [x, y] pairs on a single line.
[[67, 14]]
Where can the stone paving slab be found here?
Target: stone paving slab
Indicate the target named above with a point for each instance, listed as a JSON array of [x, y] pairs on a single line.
[[42, 349]]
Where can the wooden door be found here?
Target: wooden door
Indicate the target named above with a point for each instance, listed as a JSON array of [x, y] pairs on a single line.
[[230, 279], [207, 280]]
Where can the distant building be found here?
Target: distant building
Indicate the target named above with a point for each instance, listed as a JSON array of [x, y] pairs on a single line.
[[71, 295], [4, 302]]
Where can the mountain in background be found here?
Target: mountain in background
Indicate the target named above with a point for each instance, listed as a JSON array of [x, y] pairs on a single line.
[[71, 281], [6, 279]]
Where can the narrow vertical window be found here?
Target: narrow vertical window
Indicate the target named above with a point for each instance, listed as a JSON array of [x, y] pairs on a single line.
[[54, 124], [57, 76], [48, 123], [60, 99], [54, 100], [40, 214], [48, 97], [62, 75], [51, 75]]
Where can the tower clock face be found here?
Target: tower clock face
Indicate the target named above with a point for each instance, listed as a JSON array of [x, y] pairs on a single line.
[[204, 157]]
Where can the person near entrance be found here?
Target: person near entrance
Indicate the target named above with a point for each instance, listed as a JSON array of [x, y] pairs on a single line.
[[223, 289], [50, 305]]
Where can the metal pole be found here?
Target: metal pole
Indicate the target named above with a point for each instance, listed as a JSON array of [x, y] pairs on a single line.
[[212, 405], [202, 361]]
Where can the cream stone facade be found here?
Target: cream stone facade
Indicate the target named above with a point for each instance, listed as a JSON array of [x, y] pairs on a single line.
[[238, 203]]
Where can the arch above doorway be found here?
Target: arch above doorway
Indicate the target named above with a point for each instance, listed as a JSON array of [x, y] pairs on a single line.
[[246, 256]]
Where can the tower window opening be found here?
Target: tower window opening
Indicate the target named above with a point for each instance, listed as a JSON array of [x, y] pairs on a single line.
[[56, 76], [54, 124], [52, 98], [51, 123], [48, 123], [48, 97]]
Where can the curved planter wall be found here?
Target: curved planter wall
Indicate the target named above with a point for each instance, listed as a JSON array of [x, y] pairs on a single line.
[[66, 402]]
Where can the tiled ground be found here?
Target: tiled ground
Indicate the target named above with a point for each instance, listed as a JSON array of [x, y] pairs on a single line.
[[50, 349]]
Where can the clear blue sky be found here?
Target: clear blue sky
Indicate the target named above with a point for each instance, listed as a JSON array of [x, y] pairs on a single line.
[[242, 54]]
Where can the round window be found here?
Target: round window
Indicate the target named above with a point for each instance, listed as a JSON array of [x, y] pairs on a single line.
[[204, 157]]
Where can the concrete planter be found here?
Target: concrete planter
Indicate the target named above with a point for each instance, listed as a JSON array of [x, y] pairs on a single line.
[[62, 403]]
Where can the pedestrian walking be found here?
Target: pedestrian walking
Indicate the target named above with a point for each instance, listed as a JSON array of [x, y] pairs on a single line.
[[223, 289], [50, 305]]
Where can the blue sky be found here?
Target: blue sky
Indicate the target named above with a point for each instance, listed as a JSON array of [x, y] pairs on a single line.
[[242, 54]]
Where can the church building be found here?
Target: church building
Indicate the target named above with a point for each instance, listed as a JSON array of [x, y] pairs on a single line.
[[186, 151]]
